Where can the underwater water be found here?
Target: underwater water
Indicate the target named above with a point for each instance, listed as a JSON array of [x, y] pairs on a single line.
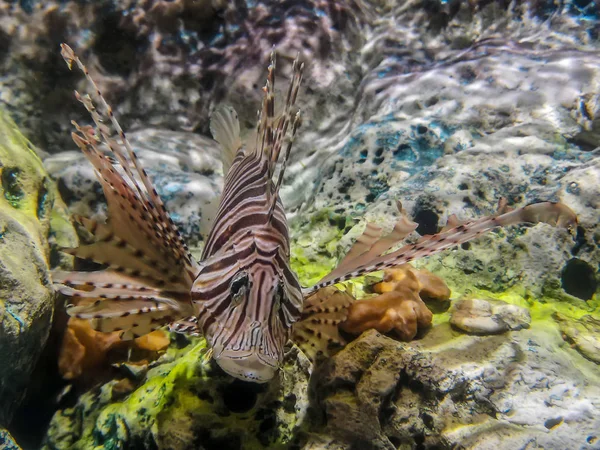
[[455, 316]]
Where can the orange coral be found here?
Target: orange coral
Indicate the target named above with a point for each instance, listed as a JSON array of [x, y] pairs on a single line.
[[84, 349], [399, 308]]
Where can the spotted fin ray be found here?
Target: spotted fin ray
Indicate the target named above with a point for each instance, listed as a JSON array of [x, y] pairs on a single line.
[[555, 214], [317, 333], [149, 268], [187, 326]]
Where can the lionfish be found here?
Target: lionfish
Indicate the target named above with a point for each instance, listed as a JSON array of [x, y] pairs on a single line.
[[243, 296]]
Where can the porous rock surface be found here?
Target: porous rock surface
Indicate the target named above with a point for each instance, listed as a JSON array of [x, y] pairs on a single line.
[[31, 215], [445, 391]]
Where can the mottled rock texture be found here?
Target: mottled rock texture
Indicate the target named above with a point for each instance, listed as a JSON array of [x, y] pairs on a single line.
[[444, 106], [448, 391], [7, 442], [480, 316], [31, 215], [186, 403]]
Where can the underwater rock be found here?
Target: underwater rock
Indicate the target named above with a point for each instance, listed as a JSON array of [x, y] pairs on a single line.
[[185, 168], [583, 334], [33, 219], [162, 62], [479, 316], [6, 441], [448, 390], [185, 402]]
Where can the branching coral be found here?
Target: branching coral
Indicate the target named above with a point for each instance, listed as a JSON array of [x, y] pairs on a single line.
[[399, 307]]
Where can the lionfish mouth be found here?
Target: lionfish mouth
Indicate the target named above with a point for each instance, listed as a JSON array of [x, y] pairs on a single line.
[[248, 366]]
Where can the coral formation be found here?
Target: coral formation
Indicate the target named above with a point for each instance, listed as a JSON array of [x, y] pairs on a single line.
[[400, 307], [402, 312], [84, 351], [481, 316], [431, 288], [31, 215]]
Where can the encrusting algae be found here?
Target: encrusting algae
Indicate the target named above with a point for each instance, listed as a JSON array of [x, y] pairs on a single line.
[[243, 296]]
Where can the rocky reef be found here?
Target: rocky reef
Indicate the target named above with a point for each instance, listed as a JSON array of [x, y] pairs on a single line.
[[445, 106], [449, 391]]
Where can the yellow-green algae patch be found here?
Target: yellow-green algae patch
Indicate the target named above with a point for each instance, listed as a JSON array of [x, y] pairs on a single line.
[[180, 404], [315, 244], [95, 422]]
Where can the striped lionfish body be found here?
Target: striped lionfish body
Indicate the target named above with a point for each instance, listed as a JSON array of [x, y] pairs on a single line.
[[243, 296], [246, 296]]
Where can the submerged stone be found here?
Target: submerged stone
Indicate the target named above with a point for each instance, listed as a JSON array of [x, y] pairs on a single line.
[[32, 219], [479, 316]]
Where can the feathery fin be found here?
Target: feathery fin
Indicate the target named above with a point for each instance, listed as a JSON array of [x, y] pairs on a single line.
[[371, 243], [187, 326], [556, 214], [317, 333], [150, 271], [225, 128]]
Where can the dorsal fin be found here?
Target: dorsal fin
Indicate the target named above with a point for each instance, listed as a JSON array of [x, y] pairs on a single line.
[[272, 133], [225, 128]]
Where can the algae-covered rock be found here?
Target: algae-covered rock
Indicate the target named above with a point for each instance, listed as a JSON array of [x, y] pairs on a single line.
[[185, 402], [31, 215], [583, 334], [452, 390]]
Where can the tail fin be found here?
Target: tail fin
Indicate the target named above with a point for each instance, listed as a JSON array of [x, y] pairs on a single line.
[[556, 214], [150, 270]]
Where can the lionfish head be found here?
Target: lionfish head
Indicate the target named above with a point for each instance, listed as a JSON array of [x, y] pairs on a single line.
[[248, 324]]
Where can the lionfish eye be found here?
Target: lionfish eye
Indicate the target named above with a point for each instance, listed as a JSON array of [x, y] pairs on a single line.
[[238, 287], [278, 296]]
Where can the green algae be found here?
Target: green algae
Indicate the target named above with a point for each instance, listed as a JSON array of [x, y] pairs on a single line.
[[180, 404], [315, 244]]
